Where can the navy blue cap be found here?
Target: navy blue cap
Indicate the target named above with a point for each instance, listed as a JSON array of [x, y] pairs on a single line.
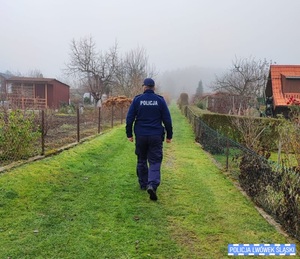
[[149, 82]]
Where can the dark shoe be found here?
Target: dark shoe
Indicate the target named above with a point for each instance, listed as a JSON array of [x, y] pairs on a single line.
[[152, 193]]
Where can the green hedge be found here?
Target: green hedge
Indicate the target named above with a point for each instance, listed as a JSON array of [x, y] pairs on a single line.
[[223, 124]]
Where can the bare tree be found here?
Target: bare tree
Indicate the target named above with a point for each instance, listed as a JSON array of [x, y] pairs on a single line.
[[250, 130], [35, 73], [247, 77], [95, 70], [132, 69]]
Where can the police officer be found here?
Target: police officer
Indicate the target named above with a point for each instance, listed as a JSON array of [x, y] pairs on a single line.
[[148, 111]]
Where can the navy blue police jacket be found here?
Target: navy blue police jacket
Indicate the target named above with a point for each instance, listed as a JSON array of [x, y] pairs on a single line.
[[150, 115]]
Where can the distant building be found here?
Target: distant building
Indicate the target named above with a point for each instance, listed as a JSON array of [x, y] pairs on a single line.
[[88, 98], [283, 83], [3, 78], [32, 92], [225, 103]]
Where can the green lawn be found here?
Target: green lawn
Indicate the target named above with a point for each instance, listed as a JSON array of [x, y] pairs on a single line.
[[85, 203]]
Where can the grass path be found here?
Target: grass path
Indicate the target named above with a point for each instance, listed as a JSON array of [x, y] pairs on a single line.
[[85, 203]]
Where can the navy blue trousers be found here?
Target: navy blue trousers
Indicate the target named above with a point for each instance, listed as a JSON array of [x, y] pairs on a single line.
[[149, 157]]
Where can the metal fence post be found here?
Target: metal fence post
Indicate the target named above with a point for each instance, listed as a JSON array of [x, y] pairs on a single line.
[[112, 116], [78, 125], [227, 154], [99, 120], [121, 114], [43, 132], [197, 128]]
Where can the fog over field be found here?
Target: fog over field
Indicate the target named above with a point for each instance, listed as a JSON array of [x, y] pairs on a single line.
[[186, 40]]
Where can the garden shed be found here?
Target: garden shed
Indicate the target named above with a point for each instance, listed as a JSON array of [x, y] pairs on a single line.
[[225, 103], [282, 85], [3, 78], [39, 93]]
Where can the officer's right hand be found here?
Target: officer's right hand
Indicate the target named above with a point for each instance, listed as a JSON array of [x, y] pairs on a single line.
[[168, 140], [130, 139]]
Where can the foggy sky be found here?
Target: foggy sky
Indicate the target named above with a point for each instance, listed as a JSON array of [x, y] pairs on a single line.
[[209, 34]]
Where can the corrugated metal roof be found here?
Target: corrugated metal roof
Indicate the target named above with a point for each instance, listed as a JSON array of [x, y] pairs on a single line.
[[42, 80], [31, 79]]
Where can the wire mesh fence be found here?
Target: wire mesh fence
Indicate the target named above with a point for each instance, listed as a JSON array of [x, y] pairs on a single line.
[[271, 186], [29, 133]]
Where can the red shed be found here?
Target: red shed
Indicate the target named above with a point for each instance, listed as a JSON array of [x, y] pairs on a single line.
[[32, 92]]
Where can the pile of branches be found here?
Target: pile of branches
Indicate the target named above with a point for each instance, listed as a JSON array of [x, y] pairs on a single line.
[[120, 101]]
